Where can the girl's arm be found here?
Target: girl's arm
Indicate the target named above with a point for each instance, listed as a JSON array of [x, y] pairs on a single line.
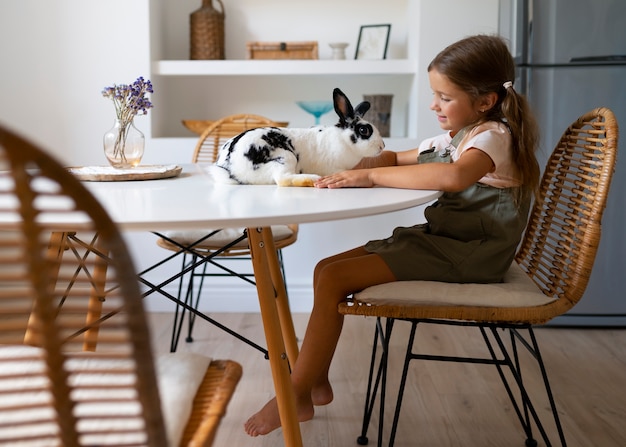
[[407, 157], [449, 177]]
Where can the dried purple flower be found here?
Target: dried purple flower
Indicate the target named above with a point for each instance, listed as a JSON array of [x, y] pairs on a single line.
[[129, 100]]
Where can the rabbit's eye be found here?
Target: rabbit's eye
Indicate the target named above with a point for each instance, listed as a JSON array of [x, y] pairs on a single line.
[[364, 131]]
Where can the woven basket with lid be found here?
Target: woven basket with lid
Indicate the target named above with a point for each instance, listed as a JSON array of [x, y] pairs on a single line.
[[206, 26]]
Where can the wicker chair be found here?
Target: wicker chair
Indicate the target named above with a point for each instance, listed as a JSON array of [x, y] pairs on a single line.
[[76, 364], [215, 248], [547, 278]]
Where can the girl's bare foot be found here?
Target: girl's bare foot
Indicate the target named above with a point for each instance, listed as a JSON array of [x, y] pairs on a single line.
[[268, 419], [322, 394]]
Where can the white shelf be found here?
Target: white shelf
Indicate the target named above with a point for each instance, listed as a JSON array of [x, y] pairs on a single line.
[[284, 67], [209, 89]]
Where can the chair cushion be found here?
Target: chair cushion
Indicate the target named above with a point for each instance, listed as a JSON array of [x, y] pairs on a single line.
[[224, 236], [178, 375], [517, 290]]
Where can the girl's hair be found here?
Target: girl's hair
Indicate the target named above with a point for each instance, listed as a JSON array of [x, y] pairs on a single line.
[[482, 64]]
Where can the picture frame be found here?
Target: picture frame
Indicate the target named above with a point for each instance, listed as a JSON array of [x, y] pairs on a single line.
[[373, 42]]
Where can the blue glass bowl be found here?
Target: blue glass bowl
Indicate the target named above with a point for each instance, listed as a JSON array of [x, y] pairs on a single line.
[[316, 108]]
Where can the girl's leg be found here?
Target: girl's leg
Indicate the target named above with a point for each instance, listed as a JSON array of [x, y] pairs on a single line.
[[350, 254], [335, 278], [322, 393]]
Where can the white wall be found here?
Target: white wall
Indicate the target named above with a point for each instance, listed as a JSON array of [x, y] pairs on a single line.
[[57, 56], [56, 59], [441, 23]]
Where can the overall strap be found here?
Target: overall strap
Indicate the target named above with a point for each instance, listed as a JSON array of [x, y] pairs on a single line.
[[443, 155], [459, 136]]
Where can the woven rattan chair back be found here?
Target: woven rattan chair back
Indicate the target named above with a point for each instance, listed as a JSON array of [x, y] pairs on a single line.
[[220, 245], [214, 136], [46, 325], [76, 364], [206, 150], [563, 232]]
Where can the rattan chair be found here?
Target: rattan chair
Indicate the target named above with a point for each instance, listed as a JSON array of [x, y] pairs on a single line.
[[547, 278], [211, 252], [76, 364]]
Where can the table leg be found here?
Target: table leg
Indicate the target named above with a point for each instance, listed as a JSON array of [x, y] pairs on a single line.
[[97, 296], [282, 303], [55, 252], [60, 243], [271, 291]]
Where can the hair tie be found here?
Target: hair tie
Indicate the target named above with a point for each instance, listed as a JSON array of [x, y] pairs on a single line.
[[507, 85]]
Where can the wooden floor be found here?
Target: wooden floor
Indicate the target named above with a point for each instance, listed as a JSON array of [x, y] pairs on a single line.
[[445, 404]]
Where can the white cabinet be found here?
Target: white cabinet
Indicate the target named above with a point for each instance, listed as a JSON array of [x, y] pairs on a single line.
[[186, 89]]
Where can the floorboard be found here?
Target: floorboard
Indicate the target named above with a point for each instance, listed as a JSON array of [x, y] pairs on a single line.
[[444, 405]]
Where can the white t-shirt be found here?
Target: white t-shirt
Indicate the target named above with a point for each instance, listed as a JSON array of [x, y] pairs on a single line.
[[494, 139]]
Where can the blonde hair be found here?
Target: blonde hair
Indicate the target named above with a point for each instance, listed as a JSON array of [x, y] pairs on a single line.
[[480, 65]]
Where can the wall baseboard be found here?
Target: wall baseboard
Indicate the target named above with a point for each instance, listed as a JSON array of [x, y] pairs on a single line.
[[232, 298]]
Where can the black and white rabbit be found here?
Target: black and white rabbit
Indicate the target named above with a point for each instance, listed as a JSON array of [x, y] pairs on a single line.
[[298, 157]]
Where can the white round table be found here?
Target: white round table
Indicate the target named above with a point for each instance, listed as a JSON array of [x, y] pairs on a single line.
[[193, 200]]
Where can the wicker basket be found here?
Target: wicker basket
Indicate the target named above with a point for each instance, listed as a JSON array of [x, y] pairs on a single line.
[[207, 32], [282, 50], [198, 126]]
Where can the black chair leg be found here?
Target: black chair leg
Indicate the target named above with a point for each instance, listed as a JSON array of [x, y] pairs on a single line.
[[405, 370], [537, 355], [180, 311], [527, 414], [546, 382], [190, 290], [515, 370], [369, 394], [500, 357], [192, 300], [380, 381]]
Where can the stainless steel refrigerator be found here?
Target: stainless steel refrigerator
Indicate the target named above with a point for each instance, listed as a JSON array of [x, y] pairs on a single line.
[[571, 56]]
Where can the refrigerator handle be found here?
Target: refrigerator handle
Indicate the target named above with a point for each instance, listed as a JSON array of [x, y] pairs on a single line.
[[599, 59], [525, 22]]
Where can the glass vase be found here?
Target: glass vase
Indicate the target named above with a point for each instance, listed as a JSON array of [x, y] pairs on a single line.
[[124, 145]]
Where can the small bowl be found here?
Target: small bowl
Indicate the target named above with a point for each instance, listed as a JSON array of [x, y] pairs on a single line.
[[316, 108]]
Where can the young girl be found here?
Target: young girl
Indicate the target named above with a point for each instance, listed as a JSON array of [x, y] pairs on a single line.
[[472, 230]]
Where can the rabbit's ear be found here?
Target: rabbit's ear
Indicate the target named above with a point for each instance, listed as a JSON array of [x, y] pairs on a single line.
[[343, 107], [362, 108]]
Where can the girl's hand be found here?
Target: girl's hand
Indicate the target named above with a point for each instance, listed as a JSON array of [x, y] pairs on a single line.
[[347, 179]]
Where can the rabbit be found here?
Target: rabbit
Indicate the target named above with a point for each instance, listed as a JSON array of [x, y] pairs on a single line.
[[299, 156]]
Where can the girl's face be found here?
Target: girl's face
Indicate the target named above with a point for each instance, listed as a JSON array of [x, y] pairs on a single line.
[[455, 109]]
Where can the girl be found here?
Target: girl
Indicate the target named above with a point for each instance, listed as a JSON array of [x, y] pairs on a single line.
[[472, 231]]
